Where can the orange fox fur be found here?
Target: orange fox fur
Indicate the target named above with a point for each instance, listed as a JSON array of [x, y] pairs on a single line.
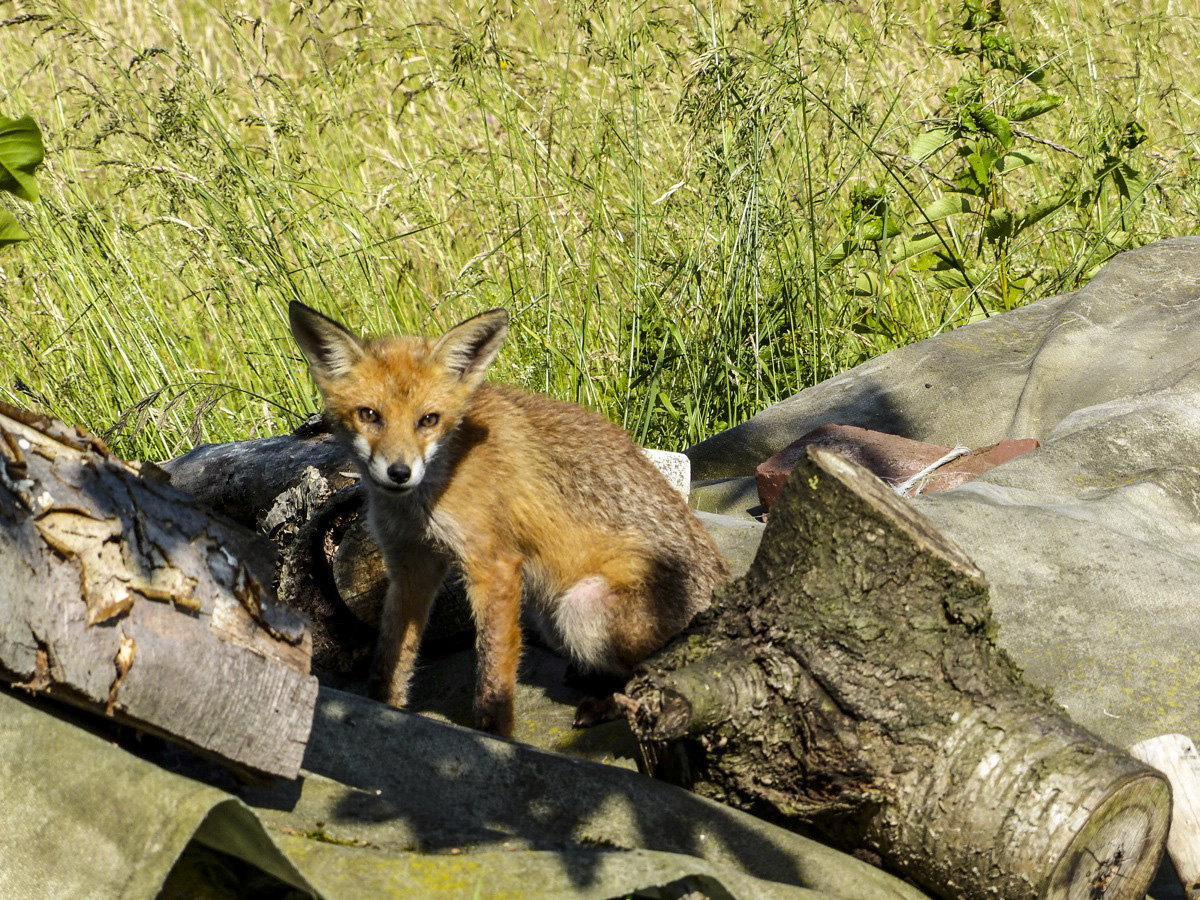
[[528, 495]]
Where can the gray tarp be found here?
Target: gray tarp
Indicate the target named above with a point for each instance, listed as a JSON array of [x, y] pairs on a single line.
[[1091, 543], [389, 804]]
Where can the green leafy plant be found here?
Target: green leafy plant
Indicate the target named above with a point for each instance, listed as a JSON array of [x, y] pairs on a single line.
[[966, 235], [1114, 168], [21, 152]]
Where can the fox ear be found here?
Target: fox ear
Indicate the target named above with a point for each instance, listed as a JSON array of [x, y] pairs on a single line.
[[331, 350], [468, 349]]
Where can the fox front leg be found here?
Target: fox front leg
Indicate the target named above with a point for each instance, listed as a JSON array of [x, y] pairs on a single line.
[[414, 575], [494, 589]]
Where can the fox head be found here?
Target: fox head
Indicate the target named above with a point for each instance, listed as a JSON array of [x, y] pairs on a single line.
[[394, 401]]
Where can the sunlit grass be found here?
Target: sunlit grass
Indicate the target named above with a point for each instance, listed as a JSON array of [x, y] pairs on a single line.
[[657, 193]]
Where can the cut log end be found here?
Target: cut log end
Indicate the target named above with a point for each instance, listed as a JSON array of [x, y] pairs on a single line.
[[1117, 853], [808, 690], [659, 714], [899, 512]]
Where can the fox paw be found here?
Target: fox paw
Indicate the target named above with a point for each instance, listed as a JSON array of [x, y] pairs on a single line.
[[495, 720]]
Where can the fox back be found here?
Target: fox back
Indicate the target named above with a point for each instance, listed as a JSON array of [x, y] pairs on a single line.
[[529, 496]]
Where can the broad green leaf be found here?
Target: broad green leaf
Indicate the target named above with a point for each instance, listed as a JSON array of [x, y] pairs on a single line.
[[21, 152], [1017, 159], [968, 90], [871, 228], [981, 168], [927, 262], [949, 274], [948, 278], [1023, 112], [980, 16], [1039, 209], [997, 41], [10, 230], [867, 284], [835, 256], [990, 123], [1000, 226], [1000, 51], [929, 143], [873, 323], [1129, 181], [1132, 135], [968, 178], [943, 207], [916, 245]]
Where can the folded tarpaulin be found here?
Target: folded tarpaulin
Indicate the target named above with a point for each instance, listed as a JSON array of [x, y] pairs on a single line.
[[388, 804]]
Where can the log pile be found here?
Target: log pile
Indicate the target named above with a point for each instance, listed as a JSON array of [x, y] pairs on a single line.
[[124, 596], [850, 684]]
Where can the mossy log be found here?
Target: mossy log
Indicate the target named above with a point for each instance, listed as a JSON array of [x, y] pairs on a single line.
[[124, 596], [851, 683]]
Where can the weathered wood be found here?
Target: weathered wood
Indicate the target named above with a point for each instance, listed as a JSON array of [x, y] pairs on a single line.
[[124, 596], [851, 683], [243, 480], [301, 492], [1176, 757]]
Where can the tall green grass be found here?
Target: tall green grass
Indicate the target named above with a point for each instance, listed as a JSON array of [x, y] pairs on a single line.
[[693, 211]]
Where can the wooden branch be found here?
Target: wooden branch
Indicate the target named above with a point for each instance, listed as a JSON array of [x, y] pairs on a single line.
[[851, 683], [244, 479], [125, 597]]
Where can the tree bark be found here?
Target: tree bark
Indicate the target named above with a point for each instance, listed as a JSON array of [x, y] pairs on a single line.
[[124, 596], [851, 683]]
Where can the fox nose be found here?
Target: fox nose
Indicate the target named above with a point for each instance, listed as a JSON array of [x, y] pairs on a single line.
[[399, 472]]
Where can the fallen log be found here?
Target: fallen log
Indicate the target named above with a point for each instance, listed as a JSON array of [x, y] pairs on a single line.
[[124, 596], [851, 683], [301, 491]]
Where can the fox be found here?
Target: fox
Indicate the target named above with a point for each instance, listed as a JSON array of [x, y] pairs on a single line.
[[549, 511]]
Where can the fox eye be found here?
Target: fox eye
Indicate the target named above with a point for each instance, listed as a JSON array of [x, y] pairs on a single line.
[[428, 420], [368, 415]]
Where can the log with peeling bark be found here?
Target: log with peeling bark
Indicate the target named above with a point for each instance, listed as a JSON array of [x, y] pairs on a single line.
[[851, 683], [125, 596]]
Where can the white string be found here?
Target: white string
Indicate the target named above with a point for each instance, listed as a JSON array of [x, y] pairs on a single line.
[[905, 486]]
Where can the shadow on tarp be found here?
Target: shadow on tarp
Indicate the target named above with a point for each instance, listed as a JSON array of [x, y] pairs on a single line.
[[459, 786], [450, 787], [386, 798], [82, 817], [739, 451]]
